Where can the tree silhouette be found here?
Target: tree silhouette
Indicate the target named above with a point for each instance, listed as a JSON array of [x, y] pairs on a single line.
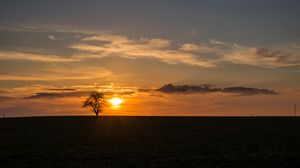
[[96, 102]]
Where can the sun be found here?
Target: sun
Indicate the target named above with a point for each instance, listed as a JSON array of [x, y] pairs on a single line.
[[115, 101]]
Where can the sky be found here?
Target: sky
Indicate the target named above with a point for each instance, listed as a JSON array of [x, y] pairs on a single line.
[[161, 57]]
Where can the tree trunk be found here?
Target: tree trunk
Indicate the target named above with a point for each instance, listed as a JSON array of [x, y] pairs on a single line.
[[96, 112]]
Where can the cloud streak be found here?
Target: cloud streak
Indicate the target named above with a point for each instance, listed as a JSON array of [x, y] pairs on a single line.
[[190, 89], [59, 73], [37, 27], [189, 47], [50, 95], [261, 57], [98, 44], [50, 91], [188, 53], [51, 37], [15, 55], [122, 46]]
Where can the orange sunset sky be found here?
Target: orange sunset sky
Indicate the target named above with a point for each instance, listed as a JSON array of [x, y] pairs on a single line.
[[162, 58]]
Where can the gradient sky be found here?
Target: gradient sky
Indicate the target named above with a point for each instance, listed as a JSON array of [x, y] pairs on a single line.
[[52, 53]]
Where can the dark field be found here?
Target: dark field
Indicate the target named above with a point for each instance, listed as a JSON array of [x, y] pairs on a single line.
[[150, 142]]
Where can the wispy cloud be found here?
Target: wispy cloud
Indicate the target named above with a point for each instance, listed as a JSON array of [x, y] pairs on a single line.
[[51, 37], [170, 52], [52, 95], [262, 57], [295, 45], [50, 91], [59, 94], [217, 42], [38, 27], [59, 73], [188, 53], [189, 47], [16, 55], [159, 49]]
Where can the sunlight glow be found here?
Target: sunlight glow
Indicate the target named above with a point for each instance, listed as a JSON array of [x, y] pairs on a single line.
[[116, 101]]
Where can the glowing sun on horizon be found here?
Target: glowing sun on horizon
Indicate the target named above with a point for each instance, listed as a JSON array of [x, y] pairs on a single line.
[[115, 101]]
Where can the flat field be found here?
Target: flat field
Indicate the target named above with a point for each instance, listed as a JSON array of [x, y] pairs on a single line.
[[150, 142]]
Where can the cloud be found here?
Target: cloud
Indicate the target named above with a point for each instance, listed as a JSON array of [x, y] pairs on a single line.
[[67, 94], [248, 91], [59, 73], [62, 89], [196, 48], [6, 98], [189, 89], [99, 44], [217, 42], [158, 43], [188, 53], [38, 27], [50, 91], [51, 37], [15, 55], [59, 95], [122, 46], [116, 39], [170, 88], [262, 57], [294, 45]]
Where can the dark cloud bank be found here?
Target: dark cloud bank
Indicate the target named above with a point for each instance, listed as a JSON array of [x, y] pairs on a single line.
[[69, 94], [189, 89], [169, 88], [59, 94]]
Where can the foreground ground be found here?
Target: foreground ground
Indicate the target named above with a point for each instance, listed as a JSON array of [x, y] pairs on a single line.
[[149, 142]]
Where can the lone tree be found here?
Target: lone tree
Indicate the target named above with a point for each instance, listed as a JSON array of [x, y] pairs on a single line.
[[96, 102]]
